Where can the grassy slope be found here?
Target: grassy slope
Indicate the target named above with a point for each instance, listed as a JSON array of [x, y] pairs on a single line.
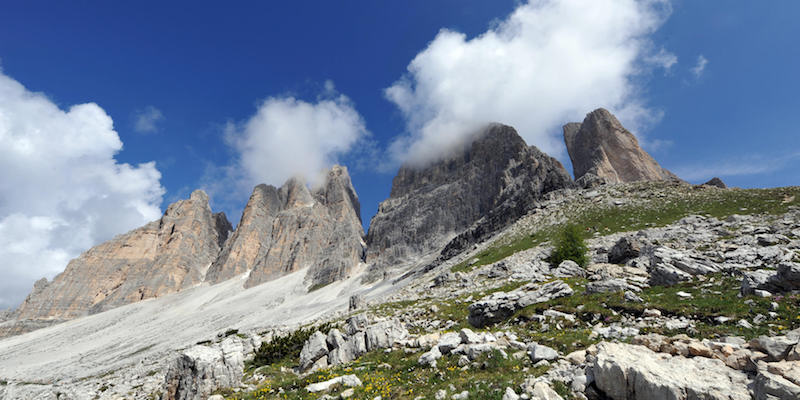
[[646, 211]]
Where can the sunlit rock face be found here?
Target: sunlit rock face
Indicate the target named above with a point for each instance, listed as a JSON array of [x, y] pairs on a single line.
[[162, 257], [603, 151], [293, 227]]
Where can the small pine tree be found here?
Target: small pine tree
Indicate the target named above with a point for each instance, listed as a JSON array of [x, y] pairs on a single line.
[[570, 246]]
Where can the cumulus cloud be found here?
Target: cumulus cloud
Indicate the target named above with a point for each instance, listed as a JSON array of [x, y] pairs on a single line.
[[698, 69], [61, 190], [547, 63], [147, 120], [289, 137]]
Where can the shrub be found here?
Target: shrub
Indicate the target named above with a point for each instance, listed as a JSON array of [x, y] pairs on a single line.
[[569, 245], [283, 347]]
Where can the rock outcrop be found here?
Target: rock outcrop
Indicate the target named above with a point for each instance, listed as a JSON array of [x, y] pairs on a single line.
[[200, 370], [603, 151], [292, 227], [630, 372], [716, 182], [159, 258], [501, 305], [337, 348], [495, 179]]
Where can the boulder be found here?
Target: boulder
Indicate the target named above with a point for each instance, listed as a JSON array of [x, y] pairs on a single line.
[[568, 268], [543, 391], [335, 339], [538, 352], [354, 346], [769, 386], [609, 286], [510, 394], [785, 278], [669, 267], [625, 249], [200, 370], [315, 348], [448, 342], [469, 337], [775, 347], [385, 334], [428, 359], [630, 372], [501, 305], [344, 380]]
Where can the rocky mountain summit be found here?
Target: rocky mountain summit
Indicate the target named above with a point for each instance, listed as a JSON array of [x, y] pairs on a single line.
[[290, 228], [282, 230], [684, 291], [497, 177], [603, 151], [162, 257]]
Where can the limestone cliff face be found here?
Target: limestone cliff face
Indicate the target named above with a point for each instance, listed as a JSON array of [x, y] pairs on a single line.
[[289, 228], [603, 151], [159, 258], [494, 179]]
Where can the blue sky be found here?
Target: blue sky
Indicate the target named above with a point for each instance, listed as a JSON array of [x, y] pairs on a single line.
[[183, 84]]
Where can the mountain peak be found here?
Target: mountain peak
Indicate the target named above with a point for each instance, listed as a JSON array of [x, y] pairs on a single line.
[[602, 150]]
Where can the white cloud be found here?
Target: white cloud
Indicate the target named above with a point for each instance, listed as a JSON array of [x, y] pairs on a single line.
[[61, 190], [698, 69], [147, 120], [291, 137], [548, 63], [663, 59]]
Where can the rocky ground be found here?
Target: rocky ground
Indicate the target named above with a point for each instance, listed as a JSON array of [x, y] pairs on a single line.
[[691, 293]]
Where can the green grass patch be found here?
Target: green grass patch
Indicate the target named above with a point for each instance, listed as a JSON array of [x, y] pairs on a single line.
[[497, 253], [717, 296], [397, 375]]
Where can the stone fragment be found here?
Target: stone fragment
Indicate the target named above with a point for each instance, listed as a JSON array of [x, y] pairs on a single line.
[[543, 391], [538, 352], [510, 394], [469, 337], [428, 359], [344, 380]]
